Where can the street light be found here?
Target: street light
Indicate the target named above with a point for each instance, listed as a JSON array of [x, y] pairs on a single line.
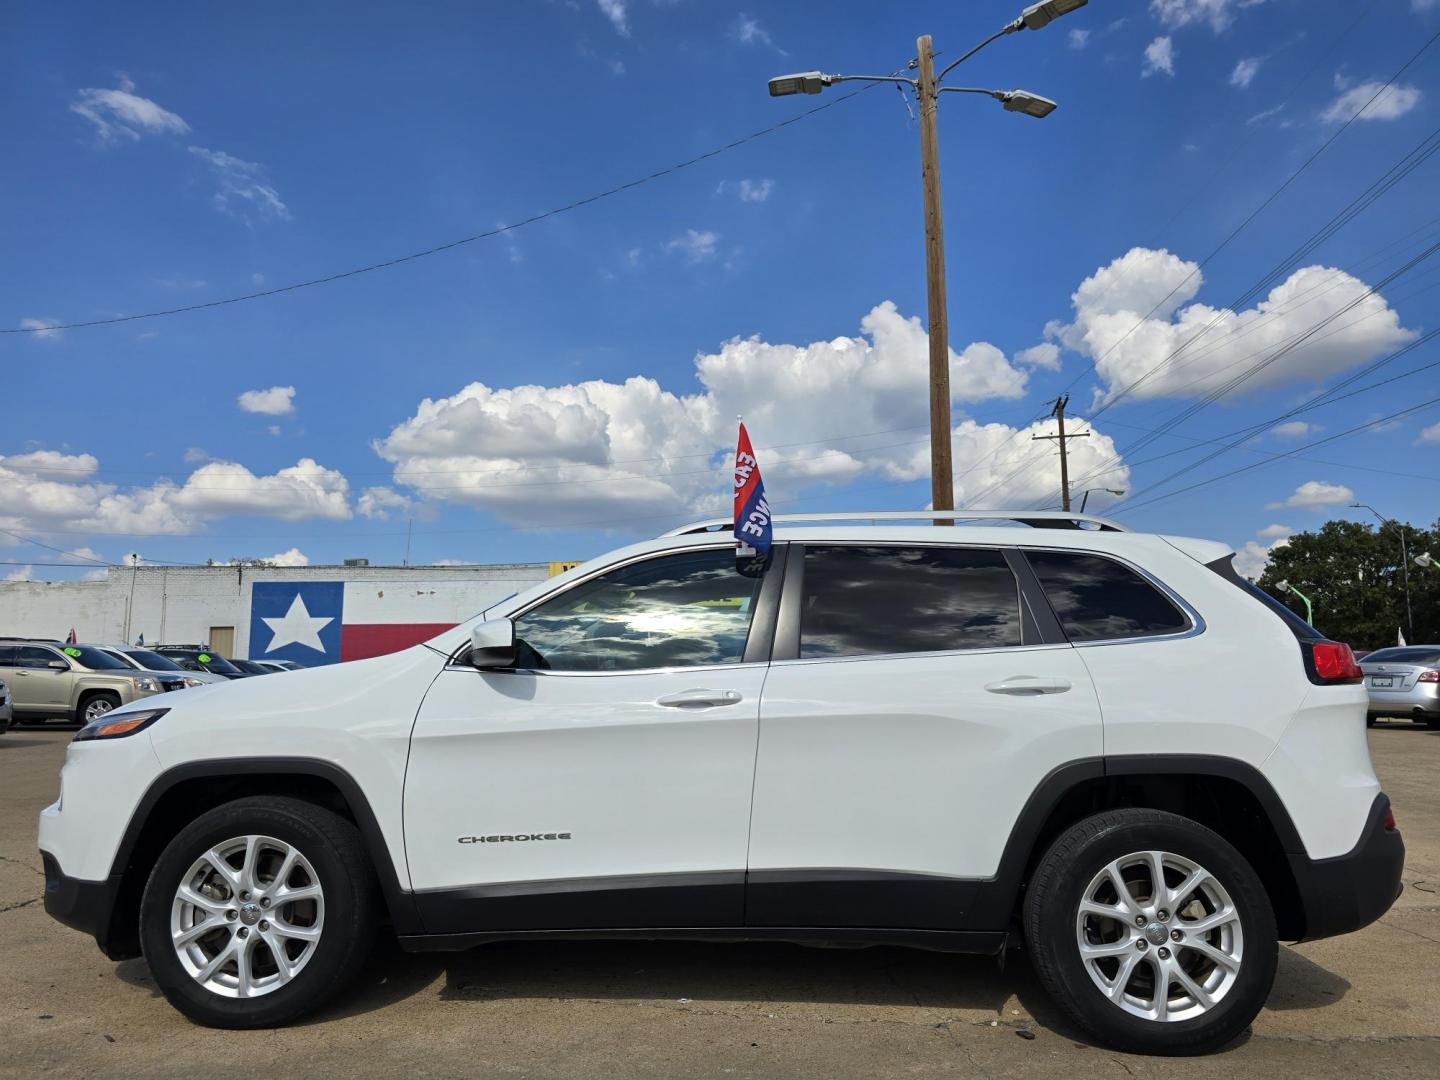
[[1425, 559], [927, 89], [1285, 586], [1084, 498], [1404, 560]]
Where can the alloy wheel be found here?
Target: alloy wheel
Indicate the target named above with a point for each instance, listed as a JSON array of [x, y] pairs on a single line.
[[97, 707], [1160, 936], [247, 916]]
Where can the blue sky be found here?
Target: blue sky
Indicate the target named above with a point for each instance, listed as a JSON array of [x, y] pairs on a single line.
[[572, 385]]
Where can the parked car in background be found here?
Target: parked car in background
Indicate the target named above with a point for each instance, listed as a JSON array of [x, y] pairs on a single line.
[[276, 665], [77, 682], [5, 712], [198, 658], [1404, 681], [142, 659], [253, 667]]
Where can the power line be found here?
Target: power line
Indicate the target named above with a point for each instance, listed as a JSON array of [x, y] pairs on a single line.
[[452, 244]]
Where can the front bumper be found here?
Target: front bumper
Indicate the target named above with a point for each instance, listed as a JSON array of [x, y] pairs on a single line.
[[1352, 890], [88, 906]]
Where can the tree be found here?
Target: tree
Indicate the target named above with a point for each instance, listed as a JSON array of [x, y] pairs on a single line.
[[1352, 574]]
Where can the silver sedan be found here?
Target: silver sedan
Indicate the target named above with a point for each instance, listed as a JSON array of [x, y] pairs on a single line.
[[1404, 682]]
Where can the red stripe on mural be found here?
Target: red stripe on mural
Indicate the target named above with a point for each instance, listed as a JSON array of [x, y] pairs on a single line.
[[358, 641]]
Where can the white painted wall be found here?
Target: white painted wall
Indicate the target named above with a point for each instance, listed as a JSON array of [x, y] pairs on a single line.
[[179, 605]]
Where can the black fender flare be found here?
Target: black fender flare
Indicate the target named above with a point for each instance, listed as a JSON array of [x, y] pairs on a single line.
[[399, 900]]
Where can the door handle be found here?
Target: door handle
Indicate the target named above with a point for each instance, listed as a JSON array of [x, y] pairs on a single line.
[[700, 699], [1028, 686]]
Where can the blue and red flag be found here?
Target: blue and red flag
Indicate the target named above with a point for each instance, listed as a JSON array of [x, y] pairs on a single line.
[[752, 512]]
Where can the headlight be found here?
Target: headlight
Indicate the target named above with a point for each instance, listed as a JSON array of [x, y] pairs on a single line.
[[117, 727], [191, 681], [146, 683]]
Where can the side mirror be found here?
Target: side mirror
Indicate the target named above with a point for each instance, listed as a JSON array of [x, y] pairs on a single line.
[[58, 665], [492, 644]]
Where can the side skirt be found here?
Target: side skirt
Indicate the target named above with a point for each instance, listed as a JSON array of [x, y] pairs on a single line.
[[974, 942]]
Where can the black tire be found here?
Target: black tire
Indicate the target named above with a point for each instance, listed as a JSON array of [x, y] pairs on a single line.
[[1369, 721], [336, 852], [1051, 910], [1433, 723], [113, 699]]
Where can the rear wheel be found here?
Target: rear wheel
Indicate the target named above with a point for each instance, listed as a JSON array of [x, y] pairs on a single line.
[[258, 912], [1152, 932]]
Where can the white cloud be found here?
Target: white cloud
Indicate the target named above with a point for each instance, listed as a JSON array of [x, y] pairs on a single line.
[[695, 245], [1266, 114], [552, 455], [1179, 13], [45, 490], [42, 329], [1275, 532], [1430, 435], [121, 113], [194, 456], [1245, 70], [293, 557], [273, 429], [614, 10], [1295, 429], [748, 31], [305, 490], [379, 502], [746, 190], [276, 401], [1159, 56], [1045, 355], [1079, 38], [1314, 495], [1112, 327], [21, 573], [1253, 557], [1393, 102], [241, 185]]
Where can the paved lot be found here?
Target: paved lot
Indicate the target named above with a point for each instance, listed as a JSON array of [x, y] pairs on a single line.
[[1362, 1005]]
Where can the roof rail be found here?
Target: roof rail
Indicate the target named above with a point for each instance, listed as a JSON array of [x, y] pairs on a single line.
[[1036, 519]]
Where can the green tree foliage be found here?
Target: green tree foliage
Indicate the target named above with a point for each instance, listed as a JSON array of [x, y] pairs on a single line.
[[1352, 574]]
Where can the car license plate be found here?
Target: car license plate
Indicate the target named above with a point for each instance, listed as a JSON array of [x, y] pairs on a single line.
[[1382, 682]]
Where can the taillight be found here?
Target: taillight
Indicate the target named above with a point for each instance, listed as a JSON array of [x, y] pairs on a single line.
[[1429, 676], [1390, 825], [1333, 662]]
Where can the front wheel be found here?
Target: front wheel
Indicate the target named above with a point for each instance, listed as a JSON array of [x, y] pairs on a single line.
[[258, 912], [1152, 932]]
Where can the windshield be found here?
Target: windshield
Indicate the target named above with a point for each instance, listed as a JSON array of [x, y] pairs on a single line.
[[208, 660], [95, 659], [1412, 655], [252, 667], [152, 661]]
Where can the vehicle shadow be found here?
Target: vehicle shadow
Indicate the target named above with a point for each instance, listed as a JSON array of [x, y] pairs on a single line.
[[1300, 983], [687, 972], [12, 741]]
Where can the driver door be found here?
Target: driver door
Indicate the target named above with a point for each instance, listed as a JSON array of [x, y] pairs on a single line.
[[604, 781]]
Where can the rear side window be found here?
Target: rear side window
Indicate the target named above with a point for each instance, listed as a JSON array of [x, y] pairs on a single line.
[[878, 599], [1099, 599]]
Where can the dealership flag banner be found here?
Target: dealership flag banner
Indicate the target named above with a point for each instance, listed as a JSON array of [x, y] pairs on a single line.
[[752, 512]]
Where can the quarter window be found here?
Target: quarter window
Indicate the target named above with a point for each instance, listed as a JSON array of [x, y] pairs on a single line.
[[678, 610], [1098, 599], [882, 599]]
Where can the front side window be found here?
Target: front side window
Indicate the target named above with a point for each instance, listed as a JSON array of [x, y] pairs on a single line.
[[679, 610], [1099, 599], [880, 599]]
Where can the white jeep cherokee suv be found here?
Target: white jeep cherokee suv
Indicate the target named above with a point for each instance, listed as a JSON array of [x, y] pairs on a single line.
[[1102, 743]]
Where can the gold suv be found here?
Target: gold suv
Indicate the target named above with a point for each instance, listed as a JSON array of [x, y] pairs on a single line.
[[77, 682]]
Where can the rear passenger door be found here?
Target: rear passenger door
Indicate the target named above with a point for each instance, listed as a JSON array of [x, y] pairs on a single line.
[[917, 697]]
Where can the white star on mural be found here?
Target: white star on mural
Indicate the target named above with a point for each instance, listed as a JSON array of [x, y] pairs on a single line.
[[298, 627]]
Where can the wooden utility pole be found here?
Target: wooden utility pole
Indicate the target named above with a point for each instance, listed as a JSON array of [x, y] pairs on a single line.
[[1059, 414], [942, 483]]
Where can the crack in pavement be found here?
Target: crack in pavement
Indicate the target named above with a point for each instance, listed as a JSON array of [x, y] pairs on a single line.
[[27, 866], [1407, 930], [17, 906]]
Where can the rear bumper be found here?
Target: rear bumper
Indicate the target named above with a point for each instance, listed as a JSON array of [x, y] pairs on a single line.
[[88, 906], [1420, 698], [1352, 890]]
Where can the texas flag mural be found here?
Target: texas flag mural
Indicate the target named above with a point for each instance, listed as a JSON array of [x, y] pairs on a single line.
[[325, 622]]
